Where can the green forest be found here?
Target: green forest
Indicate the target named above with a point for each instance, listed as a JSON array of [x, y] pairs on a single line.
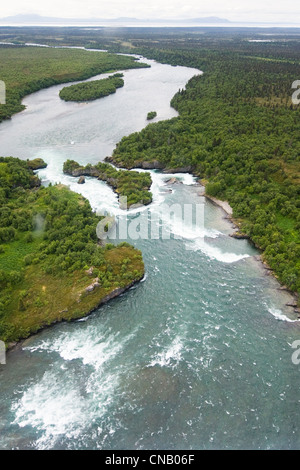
[[25, 70], [151, 115], [132, 187], [50, 254], [237, 130], [92, 90]]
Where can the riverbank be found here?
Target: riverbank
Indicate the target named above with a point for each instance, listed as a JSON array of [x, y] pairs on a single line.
[[50, 66], [51, 299], [229, 216], [132, 187], [225, 206]]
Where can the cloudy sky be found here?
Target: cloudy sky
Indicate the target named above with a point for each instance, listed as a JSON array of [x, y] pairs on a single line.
[[234, 10]]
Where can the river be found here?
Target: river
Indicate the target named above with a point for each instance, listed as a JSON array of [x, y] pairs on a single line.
[[196, 356]]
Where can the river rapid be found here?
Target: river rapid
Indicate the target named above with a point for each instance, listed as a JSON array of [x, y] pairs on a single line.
[[196, 356]]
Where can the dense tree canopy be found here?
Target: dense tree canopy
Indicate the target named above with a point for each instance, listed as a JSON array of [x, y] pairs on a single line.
[[92, 90], [238, 129], [132, 185], [48, 240]]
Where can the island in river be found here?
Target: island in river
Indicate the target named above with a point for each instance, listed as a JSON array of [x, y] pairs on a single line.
[[132, 187], [92, 90]]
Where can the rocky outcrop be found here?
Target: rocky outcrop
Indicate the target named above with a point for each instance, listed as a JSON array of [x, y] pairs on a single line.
[[173, 181], [292, 303], [182, 169], [92, 286], [240, 236], [155, 165], [83, 171], [90, 271], [81, 180], [36, 164]]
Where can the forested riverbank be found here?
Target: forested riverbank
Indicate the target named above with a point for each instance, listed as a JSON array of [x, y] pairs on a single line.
[[52, 266], [88, 91], [200, 354], [239, 131], [25, 70]]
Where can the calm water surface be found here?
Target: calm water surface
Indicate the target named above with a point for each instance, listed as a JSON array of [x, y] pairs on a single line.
[[196, 356]]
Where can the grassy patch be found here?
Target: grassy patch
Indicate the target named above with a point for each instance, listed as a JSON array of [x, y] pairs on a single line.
[[42, 299], [14, 253]]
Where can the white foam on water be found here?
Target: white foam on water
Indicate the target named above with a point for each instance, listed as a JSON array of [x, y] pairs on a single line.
[[170, 355], [57, 413], [172, 224], [277, 313], [144, 278], [90, 347], [101, 197], [50, 410], [159, 185], [68, 413], [214, 252], [182, 230]]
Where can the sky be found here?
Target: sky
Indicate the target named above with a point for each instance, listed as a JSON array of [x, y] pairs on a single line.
[[279, 11]]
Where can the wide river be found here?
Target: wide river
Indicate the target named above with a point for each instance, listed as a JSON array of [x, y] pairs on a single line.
[[197, 356]]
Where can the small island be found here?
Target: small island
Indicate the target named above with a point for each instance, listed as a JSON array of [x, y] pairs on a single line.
[[151, 115], [53, 267], [92, 90], [132, 185]]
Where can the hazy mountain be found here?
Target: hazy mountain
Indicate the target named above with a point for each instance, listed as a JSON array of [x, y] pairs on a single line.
[[208, 19], [42, 20]]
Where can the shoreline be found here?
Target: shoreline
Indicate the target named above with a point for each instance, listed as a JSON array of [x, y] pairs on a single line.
[[225, 206], [104, 300], [227, 209]]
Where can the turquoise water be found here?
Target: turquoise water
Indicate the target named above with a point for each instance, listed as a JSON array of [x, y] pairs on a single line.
[[196, 356]]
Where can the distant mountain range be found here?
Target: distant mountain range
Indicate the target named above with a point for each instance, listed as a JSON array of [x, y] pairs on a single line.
[[44, 20]]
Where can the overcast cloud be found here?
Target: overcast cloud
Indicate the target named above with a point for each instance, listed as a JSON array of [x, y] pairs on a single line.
[[234, 10]]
